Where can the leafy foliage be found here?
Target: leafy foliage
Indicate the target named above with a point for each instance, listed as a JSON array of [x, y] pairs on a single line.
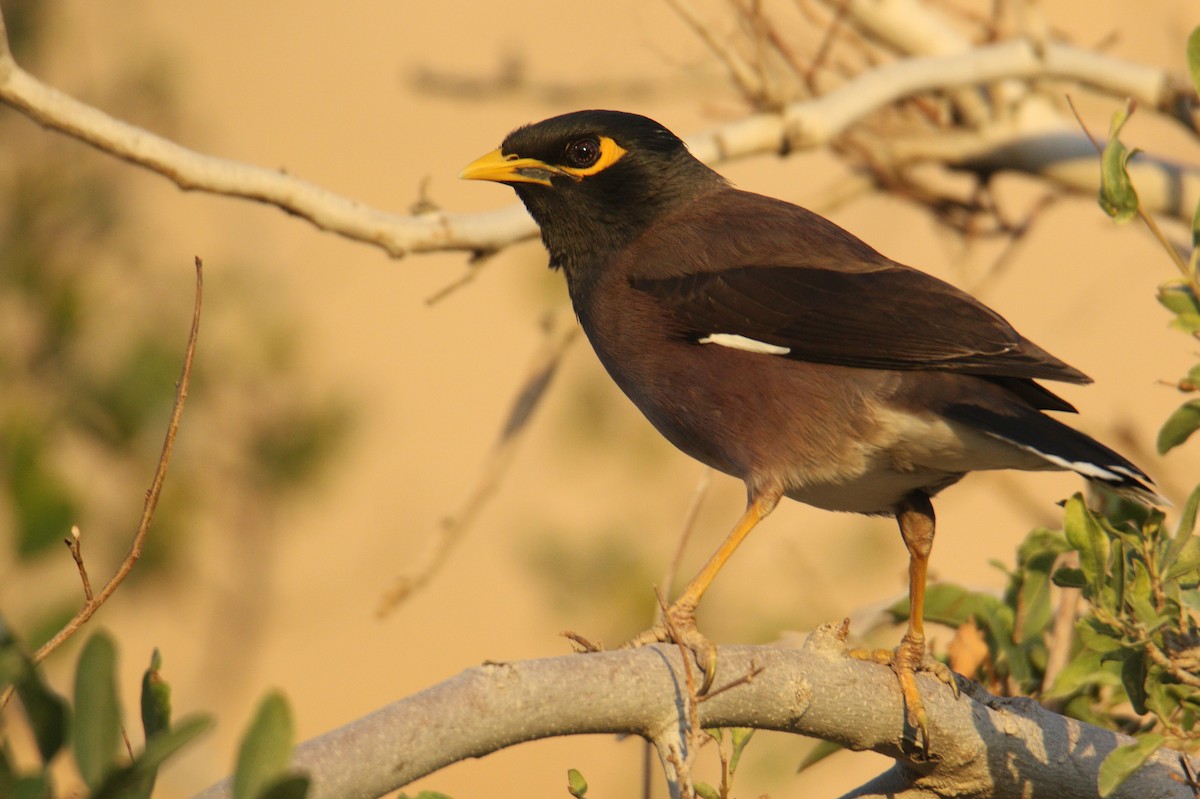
[[1133, 648], [89, 367], [95, 726], [264, 758]]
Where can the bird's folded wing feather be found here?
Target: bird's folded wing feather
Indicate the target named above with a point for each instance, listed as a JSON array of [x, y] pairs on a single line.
[[879, 315]]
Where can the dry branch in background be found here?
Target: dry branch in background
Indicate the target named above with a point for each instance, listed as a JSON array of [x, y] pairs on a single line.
[[558, 332], [1025, 135]]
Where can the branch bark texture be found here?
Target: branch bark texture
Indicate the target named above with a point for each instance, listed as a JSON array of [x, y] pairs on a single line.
[[981, 746]]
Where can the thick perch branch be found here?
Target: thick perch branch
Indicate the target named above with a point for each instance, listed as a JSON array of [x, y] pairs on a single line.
[[807, 124], [981, 746]]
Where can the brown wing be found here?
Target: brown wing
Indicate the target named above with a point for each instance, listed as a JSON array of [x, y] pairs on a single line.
[[880, 315]]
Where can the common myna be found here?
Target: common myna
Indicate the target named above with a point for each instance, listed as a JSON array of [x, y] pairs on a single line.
[[768, 343]]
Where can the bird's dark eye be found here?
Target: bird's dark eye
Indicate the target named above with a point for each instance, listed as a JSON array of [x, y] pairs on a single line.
[[582, 153]]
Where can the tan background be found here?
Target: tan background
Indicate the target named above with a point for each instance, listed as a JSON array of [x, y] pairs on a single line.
[[328, 95]]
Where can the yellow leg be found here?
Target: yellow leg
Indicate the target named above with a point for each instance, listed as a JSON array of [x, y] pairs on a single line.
[[679, 623], [916, 520], [914, 515], [756, 511]]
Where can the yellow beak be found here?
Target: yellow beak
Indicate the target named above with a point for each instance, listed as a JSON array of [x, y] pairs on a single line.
[[509, 169]]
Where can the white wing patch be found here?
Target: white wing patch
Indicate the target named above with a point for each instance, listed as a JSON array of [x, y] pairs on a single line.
[[734, 341]]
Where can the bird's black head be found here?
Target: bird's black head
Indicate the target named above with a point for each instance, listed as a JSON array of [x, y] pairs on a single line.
[[594, 180]]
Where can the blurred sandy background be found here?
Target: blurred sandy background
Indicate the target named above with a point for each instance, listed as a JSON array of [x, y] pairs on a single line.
[[332, 97]]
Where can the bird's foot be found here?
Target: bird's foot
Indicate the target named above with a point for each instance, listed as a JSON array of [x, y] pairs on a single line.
[[906, 660], [678, 626]]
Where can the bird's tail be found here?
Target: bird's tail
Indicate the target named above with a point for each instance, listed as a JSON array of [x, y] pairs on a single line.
[[1062, 446]]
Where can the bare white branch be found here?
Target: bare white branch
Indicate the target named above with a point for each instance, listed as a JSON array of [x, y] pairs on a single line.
[[980, 746], [807, 124], [910, 27], [813, 123], [397, 234]]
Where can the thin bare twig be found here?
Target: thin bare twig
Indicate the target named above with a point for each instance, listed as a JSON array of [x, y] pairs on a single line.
[[559, 332], [1165, 661], [744, 679], [1017, 234], [771, 35], [160, 473], [74, 543], [741, 72], [826, 46], [474, 266]]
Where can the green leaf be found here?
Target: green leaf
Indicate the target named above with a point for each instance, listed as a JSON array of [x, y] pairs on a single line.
[[290, 786], [96, 732], [1187, 562], [35, 786], [1119, 582], [819, 752], [1179, 426], [576, 785], [1184, 530], [1141, 599], [739, 737], [1069, 577], [1034, 600], [1133, 679], [996, 620], [1097, 636], [1177, 297], [1118, 198], [1080, 672], [168, 742], [1195, 229], [1040, 544], [266, 749], [1085, 535], [950, 604], [156, 698], [1185, 323], [1122, 762], [1162, 698], [47, 712], [137, 779], [706, 791]]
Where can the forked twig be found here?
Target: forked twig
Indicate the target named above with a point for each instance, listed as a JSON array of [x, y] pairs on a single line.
[[93, 603], [74, 545]]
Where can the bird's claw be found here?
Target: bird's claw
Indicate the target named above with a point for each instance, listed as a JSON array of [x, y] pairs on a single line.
[[906, 660], [678, 626]]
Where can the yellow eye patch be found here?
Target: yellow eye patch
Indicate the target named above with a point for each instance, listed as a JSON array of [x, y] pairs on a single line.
[[610, 153], [513, 169]]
